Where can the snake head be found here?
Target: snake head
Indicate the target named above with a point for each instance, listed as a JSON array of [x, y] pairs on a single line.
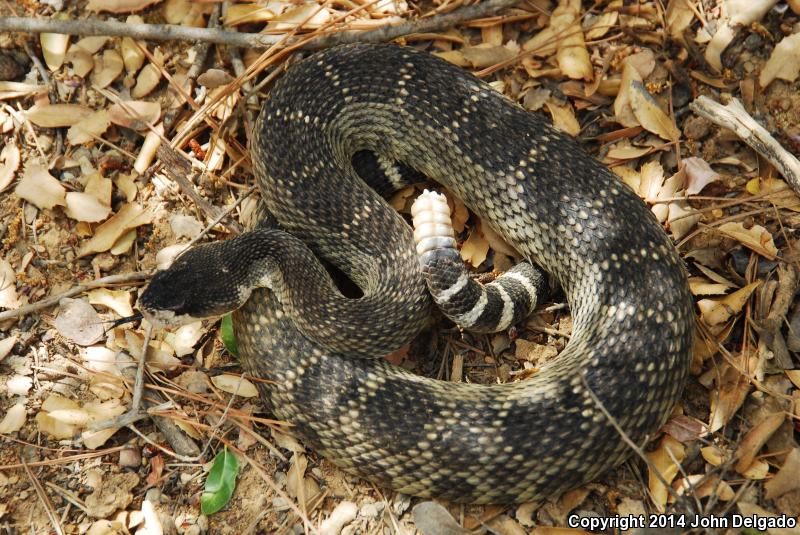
[[198, 285]]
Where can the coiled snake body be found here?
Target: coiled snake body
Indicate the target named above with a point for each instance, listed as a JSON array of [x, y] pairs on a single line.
[[625, 284]]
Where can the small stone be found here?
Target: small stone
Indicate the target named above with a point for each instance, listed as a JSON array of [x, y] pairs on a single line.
[[130, 458], [696, 127], [370, 510], [153, 495]]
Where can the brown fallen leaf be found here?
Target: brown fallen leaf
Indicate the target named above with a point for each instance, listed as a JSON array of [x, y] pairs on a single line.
[[571, 55], [107, 68], [134, 114], [475, 248], [636, 68], [698, 174], [717, 311], [247, 13], [783, 63], [731, 391], [563, 117], [664, 460], [650, 115], [130, 216], [54, 46], [786, 479], [9, 163], [40, 188], [79, 322], [678, 17], [57, 115], [756, 238], [235, 384], [119, 6], [430, 518], [14, 418], [755, 440], [90, 127]]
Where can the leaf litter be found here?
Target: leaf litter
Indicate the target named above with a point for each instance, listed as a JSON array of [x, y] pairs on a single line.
[[87, 203]]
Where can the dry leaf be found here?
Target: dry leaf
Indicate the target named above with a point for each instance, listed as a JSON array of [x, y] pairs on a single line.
[[134, 114], [9, 299], [679, 16], [185, 338], [81, 54], [54, 47], [713, 455], [786, 479], [783, 63], [90, 127], [650, 115], [430, 518], [129, 217], [214, 78], [486, 55], [636, 68], [717, 311], [662, 461], [14, 419], [344, 513], [107, 68], [246, 13], [755, 440], [119, 6], [235, 384], [51, 426], [18, 385], [730, 393], [625, 151], [475, 248], [152, 140], [9, 158], [40, 188], [756, 238], [572, 56], [793, 375], [758, 514], [779, 193], [57, 115], [78, 321], [563, 117], [310, 15], [146, 81], [698, 174], [602, 24], [117, 300], [6, 344], [85, 207]]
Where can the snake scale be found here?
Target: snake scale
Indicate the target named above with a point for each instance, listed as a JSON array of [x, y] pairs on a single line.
[[524, 441]]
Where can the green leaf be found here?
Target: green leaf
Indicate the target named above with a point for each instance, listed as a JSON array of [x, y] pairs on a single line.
[[228, 336], [220, 483]]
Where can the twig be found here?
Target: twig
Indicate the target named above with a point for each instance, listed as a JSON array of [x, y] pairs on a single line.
[[178, 169], [46, 503], [97, 283], [170, 32], [734, 117]]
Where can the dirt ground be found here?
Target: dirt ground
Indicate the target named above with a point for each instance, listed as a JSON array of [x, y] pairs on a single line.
[[85, 197]]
